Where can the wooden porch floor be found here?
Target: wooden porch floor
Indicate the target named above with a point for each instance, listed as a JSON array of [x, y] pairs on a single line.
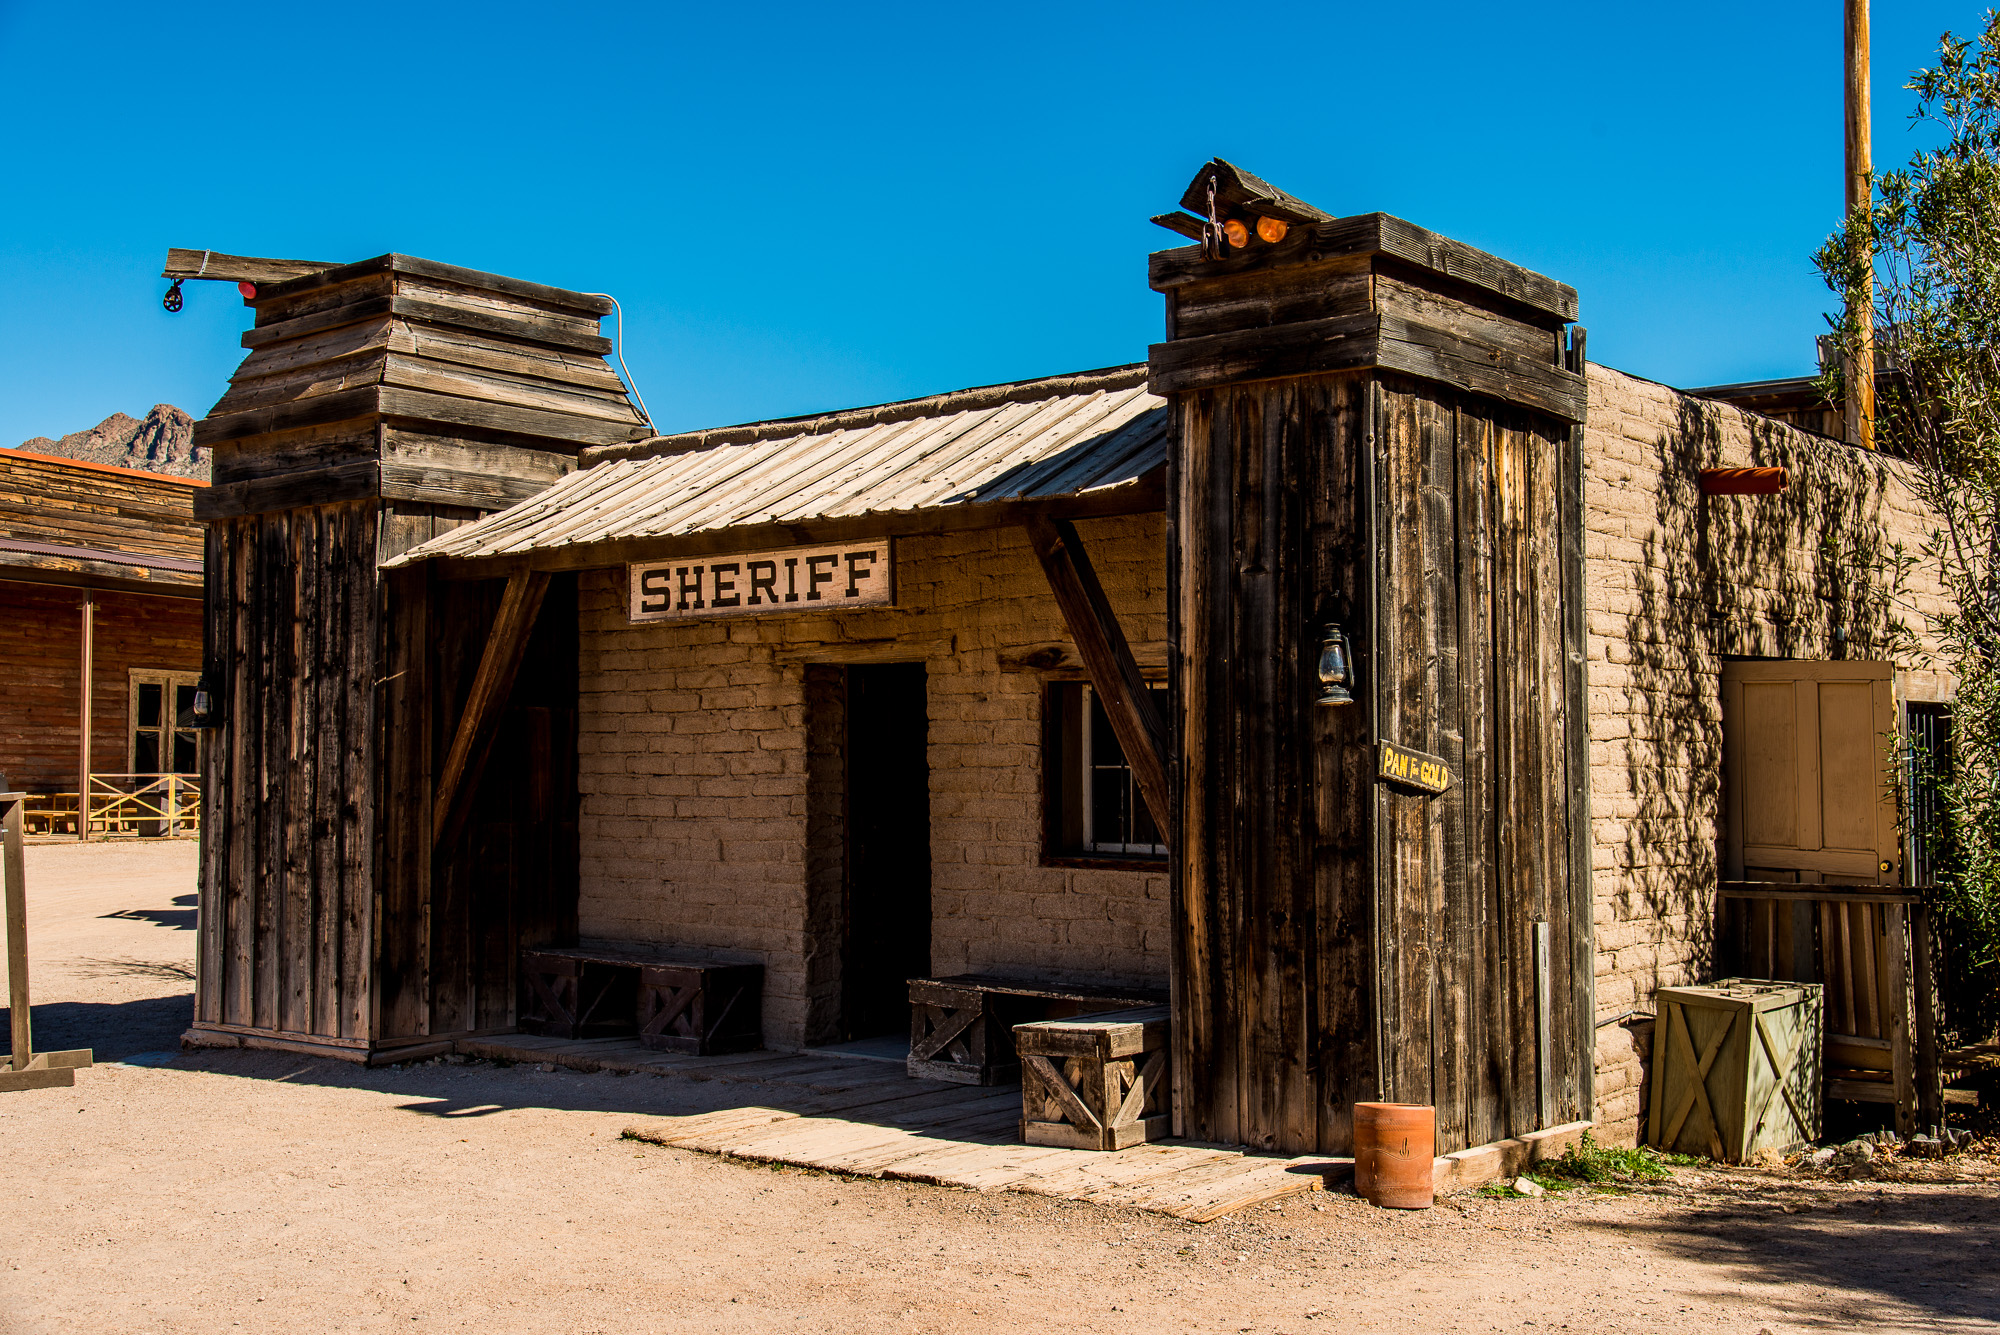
[[868, 1118]]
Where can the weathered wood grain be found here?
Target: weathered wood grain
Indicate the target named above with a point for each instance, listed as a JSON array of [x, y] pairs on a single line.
[[1398, 471], [213, 265], [501, 659], [534, 294], [1381, 234], [1237, 190]]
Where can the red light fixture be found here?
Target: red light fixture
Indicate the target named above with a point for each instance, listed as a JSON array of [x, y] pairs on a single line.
[[1743, 481]]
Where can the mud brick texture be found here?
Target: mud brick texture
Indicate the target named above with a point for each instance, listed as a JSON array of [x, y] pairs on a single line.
[[695, 748], [1675, 583]]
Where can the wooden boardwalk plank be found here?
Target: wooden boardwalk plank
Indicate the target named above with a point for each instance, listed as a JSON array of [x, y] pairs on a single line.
[[1164, 1193], [870, 1119], [1105, 1172], [822, 1146], [1212, 1197]]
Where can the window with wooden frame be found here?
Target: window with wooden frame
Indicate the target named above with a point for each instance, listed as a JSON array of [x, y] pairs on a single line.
[[1093, 812], [161, 708]]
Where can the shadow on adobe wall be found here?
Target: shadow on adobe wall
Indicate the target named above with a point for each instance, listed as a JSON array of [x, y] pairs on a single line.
[[1806, 573]]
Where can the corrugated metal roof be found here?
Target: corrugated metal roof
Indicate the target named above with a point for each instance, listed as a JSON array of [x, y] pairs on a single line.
[[1037, 439]]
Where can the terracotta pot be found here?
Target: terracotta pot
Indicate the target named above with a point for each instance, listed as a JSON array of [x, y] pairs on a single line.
[[1394, 1144]]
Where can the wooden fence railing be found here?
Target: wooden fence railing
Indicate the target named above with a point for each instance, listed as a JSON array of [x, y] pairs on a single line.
[[1869, 946], [152, 806]]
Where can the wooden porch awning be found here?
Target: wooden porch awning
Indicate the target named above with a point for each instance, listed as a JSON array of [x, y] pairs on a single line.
[[1067, 446]]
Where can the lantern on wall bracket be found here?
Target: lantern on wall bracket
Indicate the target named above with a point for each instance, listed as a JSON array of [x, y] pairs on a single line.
[[206, 710], [1336, 670]]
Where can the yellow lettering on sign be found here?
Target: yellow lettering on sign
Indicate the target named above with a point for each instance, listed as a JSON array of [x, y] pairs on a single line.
[[1414, 768]]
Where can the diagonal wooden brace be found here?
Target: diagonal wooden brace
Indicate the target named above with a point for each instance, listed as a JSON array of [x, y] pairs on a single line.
[[1114, 673], [945, 1029], [1054, 1080], [1698, 1086], [505, 645]]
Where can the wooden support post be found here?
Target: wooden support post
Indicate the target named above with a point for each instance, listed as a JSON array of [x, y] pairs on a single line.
[[1108, 659], [1860, 192], [1893, 982], [1930, 1079], [505, 645], [25, 1068], [17, 931], [85, 676]]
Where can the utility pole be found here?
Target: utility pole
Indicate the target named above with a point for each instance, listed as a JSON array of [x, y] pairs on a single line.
[[1860, 167]]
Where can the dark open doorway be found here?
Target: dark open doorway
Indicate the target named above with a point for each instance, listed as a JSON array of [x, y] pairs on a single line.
[[886, 885]]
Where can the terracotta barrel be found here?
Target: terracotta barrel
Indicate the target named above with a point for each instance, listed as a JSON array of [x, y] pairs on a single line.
[[1394, 1144]]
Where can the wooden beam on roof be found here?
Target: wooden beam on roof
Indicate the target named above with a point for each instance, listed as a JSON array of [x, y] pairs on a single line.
[[1101, 643], [1238, 191], [213, 265], [505, 645]]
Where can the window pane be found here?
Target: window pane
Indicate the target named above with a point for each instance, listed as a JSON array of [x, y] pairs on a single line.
[[1109, 824], [1104, 748], [184, 753], [184, 706], [1143, 830], [1119, 821], [146, 751], [149, 705]]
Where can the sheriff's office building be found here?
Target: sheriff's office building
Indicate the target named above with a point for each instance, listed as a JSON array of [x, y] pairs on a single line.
[[1361, 669]]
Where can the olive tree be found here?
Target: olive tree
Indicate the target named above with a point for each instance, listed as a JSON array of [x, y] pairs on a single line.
[[1930, 241]]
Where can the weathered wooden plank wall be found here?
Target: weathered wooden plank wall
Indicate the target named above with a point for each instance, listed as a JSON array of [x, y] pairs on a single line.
[[1375, 431], [507, 878], [384, 403], [338, 920], [38, 709], [1471, 664], [1272, 954], [288, 837]]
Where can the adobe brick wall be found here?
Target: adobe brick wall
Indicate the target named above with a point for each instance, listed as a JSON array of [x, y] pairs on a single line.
[[694, 748], [693, 757], [1675, 583]]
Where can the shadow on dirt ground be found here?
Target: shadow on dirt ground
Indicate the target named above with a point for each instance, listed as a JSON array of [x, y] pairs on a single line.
[[181, 917], [482, 1088], [112, 1030], [1934, 1251]]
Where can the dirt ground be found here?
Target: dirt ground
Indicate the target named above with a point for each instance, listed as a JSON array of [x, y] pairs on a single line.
[[270, 1193]]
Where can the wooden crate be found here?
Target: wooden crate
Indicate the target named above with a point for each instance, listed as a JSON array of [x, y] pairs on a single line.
[[578, 994], [701, 1008], [962, 1027], [1736, 1068], [1095, 1082]]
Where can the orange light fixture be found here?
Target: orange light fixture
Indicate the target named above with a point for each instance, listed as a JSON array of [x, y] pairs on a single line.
[[1273, 229], [1238, 234]]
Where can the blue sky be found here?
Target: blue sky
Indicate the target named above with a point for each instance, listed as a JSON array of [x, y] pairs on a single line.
[[805, 208]]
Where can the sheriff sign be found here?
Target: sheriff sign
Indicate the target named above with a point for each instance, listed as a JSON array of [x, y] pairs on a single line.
[[791, 579]]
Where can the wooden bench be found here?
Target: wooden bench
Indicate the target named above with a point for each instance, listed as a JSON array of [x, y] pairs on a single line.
[[676, 1005], [1095, 1082], [962, 1027]]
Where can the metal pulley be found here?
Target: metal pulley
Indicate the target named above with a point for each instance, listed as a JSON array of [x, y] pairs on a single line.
[[1213, 244]]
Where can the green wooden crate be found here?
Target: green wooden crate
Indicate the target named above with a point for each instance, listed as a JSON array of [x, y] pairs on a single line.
[[1736, 1068]]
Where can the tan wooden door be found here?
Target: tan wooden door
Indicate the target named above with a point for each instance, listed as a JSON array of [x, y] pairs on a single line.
[[1807, 773]]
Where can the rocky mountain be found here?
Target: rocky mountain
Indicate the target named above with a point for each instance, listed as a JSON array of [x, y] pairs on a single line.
[[160, 442]]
